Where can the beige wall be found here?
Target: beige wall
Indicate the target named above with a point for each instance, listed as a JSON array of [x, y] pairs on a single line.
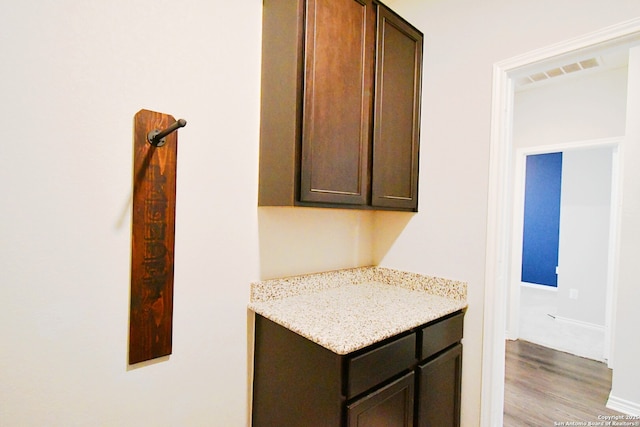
[[463, 39], [73, 75]]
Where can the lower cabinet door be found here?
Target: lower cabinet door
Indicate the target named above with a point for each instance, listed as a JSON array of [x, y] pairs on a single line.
[[389, 406], [439, 383]]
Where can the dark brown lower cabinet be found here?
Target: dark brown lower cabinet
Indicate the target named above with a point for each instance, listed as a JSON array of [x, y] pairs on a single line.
[[390, 406], [412, 379], [439, 390]]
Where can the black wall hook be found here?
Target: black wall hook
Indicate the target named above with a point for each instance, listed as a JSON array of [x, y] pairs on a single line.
[[156, 136]]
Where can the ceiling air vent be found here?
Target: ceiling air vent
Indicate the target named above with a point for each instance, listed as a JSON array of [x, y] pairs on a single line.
[[559, 71]]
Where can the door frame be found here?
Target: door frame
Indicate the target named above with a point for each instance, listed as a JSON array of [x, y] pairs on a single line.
[[513, 286], [500, 196]]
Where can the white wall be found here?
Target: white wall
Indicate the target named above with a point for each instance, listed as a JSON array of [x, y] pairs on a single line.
[[584, 107], [571, 110], [585, 212], [73, 75], [625, 392], [578, 325], [463, 40], [580, 108]]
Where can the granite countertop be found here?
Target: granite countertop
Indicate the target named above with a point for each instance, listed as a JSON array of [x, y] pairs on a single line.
[[347, 310]]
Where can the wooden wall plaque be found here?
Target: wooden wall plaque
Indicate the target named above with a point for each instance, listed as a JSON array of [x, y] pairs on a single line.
[[152, 239]]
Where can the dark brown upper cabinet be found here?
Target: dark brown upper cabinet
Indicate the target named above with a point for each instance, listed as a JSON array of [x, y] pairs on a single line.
[[340, 109]]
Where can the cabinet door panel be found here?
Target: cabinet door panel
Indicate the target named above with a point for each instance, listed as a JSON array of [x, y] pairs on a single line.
[[439, 383], [390, 406], [296, 382], [397, 113], [337, 105]]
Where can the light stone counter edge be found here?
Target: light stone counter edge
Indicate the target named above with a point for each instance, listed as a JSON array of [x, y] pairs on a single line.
[[346, 310]]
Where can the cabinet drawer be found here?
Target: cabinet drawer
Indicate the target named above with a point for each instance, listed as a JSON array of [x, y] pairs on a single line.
[[372, 368], [440, 335]]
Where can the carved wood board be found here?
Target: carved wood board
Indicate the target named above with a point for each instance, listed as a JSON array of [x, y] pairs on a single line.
[[152, 240]]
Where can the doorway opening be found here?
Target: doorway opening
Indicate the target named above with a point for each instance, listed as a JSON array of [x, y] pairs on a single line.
[[500, 216], [578, 204]]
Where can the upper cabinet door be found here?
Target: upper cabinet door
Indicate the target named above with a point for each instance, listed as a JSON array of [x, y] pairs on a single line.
[[397, 113], [340, 105], [337, 101]]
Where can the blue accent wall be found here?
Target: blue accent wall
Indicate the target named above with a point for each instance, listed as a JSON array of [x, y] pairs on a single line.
[[541, 232]]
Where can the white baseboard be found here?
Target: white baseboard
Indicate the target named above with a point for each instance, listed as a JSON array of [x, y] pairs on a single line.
[[539, 287], [624, 406], [580, 323]]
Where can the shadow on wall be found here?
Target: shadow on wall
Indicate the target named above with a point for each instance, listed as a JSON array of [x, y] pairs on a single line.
[[297, 240], [388, 226]]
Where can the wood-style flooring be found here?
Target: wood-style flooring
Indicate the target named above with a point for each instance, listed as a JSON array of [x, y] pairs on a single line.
[[545, 386]]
